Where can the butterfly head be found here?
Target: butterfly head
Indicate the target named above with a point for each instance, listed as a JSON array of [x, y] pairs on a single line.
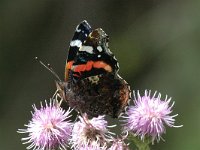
[[62, 87]]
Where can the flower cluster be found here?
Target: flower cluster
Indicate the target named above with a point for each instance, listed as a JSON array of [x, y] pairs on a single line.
[[51, 127]]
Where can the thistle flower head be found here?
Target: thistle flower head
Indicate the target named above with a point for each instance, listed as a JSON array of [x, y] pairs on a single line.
[[90, 133], [149, 116], [49, 127], [119, 144], [92, 146]]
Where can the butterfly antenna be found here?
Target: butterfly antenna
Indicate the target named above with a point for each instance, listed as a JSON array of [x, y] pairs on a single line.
[[48, 67]]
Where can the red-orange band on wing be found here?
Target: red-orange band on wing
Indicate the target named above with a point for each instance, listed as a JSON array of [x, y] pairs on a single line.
[[86, 67], [92, 64], [101, 64], [67, 68]]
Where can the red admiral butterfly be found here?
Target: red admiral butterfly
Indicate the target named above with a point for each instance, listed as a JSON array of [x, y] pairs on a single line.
[[92, 83]]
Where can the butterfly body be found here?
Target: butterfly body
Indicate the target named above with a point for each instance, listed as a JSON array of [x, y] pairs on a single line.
[[92, 83]]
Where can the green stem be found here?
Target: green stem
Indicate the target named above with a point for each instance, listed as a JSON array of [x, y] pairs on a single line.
[[141, 145]]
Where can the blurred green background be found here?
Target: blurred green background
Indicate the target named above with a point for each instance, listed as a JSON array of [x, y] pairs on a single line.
[[157, 43]]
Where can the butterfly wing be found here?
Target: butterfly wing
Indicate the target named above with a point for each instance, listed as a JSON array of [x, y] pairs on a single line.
[[81, 33], [94, 57], [101, 90]]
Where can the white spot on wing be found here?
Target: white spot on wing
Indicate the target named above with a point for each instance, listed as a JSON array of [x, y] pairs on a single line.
[[99, 56], [78, 30], [88, 49], [77, 43], [99, 48]]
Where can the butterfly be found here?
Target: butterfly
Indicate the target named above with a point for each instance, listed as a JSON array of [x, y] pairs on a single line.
[[92, 84]]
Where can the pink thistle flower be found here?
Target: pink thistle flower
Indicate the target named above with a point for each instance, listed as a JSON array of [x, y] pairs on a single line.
[[119, 144], [93, 146], [49, 127], [149, 116], [90, 134]]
